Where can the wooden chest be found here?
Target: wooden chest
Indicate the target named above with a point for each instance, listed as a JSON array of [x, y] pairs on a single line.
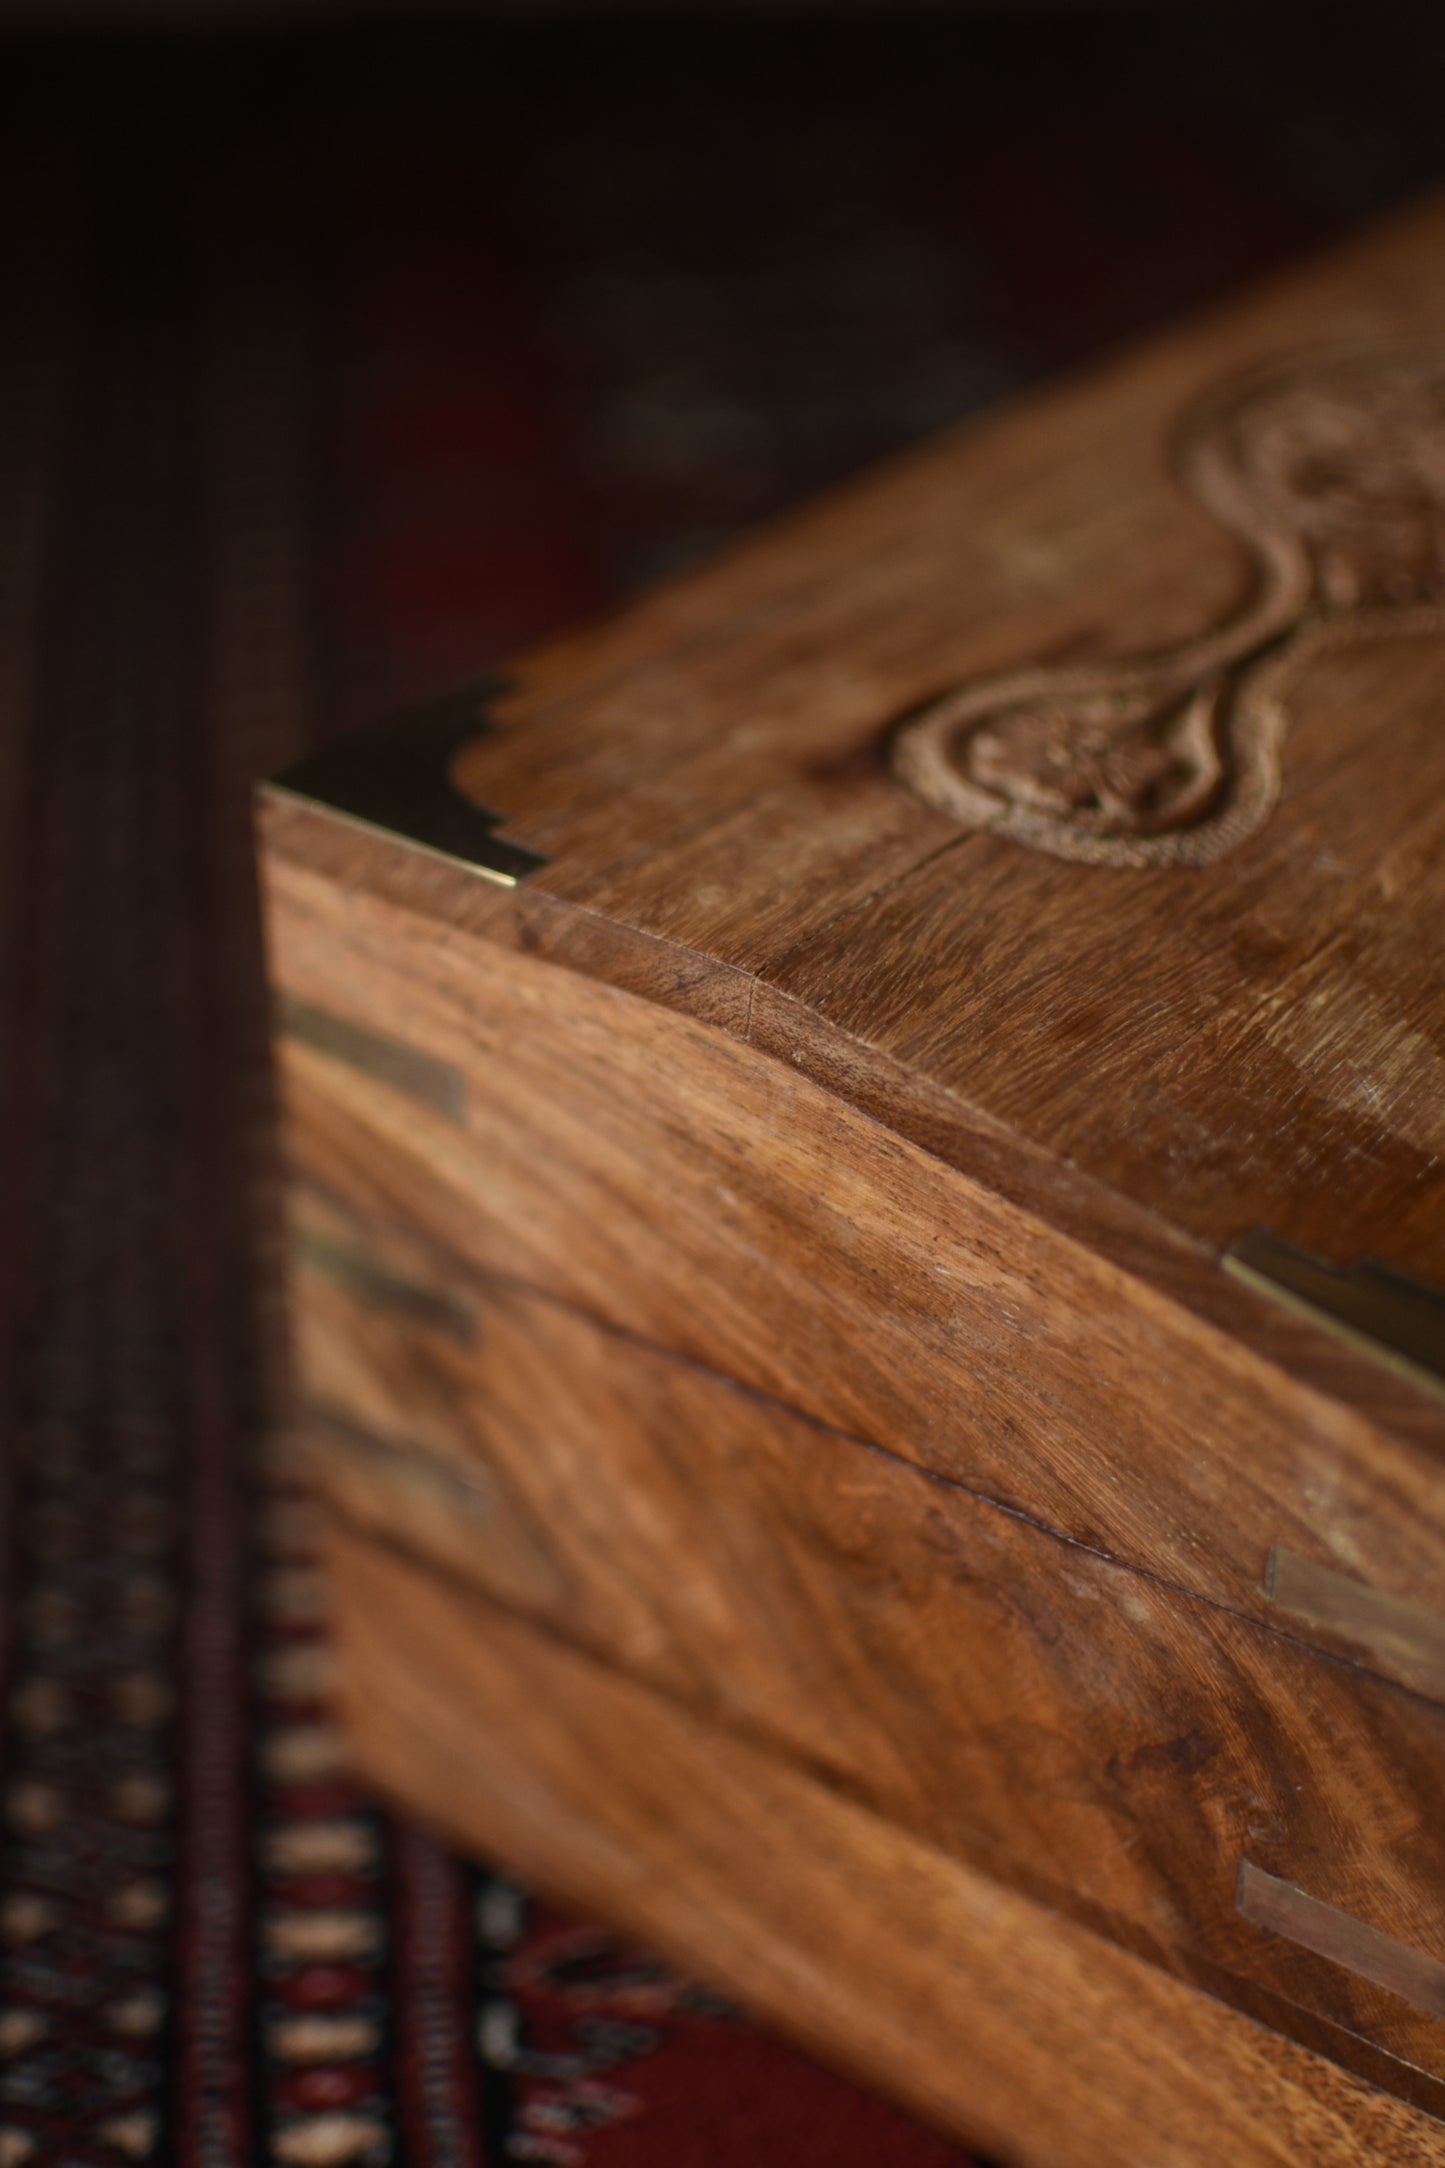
[[865, 1158]]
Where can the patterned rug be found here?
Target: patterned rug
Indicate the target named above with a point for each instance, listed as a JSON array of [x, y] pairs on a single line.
[[332, 368]]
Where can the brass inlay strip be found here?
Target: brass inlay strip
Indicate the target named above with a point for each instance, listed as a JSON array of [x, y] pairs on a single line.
[[1397, 1319], [345, 1443], [1282, 1909], [359, 1274], [437, 1084], [396, 780], [1403, 1639]]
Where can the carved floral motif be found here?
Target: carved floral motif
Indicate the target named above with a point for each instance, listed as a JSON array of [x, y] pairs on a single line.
[[1332, 471]]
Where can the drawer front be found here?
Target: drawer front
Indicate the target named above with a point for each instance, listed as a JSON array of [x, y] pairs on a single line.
[[1211, 1793]]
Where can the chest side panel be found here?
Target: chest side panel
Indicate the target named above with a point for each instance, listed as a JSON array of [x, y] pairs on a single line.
[[1006, 2023], [672, 1182], [1149, 1763], [1035, 1742]]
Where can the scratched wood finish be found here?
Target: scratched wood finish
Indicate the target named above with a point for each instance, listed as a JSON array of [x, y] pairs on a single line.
[[298, 840], [1258, 1039], [1116, 1749], [690, 1189], [1019, 2030], [966, 910]]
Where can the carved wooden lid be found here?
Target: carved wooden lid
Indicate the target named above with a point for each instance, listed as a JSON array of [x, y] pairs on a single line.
[[1084, 771]]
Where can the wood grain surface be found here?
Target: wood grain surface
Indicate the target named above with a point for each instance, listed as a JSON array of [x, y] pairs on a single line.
[[1105, 1744], [1257, 1039], [1114, 1748], [763, 1270], [1155, 1058], [1022, 2031], [689, 1189]]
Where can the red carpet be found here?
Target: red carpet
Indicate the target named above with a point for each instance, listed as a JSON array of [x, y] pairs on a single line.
[[333, 369]]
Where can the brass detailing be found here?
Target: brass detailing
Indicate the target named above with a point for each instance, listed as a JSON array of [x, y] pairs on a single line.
[[345, 1443], [357, 1273], [1398, 1319], [437, 1084], [1332, 471], [1282, 1909], [1401, 1639], [396, 779]]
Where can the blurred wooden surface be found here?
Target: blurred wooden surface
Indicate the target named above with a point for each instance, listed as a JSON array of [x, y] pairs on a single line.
[[688, 1188], [986, 2011], [1108, 1745], [1256, 1039], [771, 1254]]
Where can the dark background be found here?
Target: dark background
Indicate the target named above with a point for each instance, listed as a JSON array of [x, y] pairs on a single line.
[[338, 360]]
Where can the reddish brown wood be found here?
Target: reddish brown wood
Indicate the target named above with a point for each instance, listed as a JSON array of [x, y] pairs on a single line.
[[1025, 2033], [691, 1190], [774, 1250], [1203, 1042], [1116, 1749]]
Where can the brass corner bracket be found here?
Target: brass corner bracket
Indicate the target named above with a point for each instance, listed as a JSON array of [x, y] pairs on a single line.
[[396, 779], [1387, 1313]]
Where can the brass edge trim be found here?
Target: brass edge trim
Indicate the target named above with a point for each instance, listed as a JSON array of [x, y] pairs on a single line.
[[1401, 1638], [1283, 1909], [437, 1084], [338, 1439], [1369, 1305], [396, 781], [358, 1273]]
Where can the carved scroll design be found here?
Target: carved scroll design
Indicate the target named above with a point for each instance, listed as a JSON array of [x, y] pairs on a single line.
[[1332, 471]]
